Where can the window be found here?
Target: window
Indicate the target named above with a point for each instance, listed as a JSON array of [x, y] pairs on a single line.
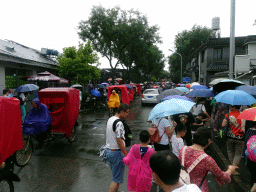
[[16, 77], [202, 57], [217, 54], [151, 91]]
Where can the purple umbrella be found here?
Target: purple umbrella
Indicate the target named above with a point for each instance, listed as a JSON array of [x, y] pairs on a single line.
[[177, 97], [199, 87]]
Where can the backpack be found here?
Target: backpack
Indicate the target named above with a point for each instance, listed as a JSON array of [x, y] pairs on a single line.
[[127, 130], [184, 174], [155, 137], [251, 148]]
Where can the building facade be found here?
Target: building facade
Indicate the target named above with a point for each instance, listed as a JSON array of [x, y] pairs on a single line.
[[211, 59], [18, 62]]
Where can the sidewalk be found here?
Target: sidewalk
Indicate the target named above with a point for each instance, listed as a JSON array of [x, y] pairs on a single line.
[[240, 182]]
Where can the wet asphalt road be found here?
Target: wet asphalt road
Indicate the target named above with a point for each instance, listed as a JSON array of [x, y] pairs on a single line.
[[61, 166]]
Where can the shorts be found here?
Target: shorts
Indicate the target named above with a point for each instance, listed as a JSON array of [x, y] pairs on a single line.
[[117, 166]]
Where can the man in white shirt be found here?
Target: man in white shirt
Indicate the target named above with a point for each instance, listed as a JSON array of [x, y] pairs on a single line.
[[116, 146], [166, 173]]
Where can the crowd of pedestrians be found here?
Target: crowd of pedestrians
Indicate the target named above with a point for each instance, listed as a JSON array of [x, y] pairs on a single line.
[[182, 136]]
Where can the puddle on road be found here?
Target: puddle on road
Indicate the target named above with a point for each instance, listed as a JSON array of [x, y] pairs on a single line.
[[90, 151]]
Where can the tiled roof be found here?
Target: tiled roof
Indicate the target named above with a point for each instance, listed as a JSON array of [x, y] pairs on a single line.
[[16, 50]]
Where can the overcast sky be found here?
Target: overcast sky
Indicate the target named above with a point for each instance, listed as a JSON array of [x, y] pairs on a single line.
[[53, 23]]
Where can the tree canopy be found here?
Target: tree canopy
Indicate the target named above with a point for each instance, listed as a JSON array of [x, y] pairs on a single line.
[[76, 65], [186, 42], [121, 35]]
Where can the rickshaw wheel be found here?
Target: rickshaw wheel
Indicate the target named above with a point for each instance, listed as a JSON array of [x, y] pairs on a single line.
[[6, 185], [23, 155], [72, 135]]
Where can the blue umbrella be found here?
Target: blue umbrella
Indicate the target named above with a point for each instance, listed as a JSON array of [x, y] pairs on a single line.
[[235, 97], [198, 87], [26, 88], [99, 86], [202, 93], [249, 89], [184, 89], [128, 86], [170, 107], [96, 93], [177, 97]]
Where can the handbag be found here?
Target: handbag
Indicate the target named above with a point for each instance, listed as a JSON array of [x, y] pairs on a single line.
[[154, 132], [224, 130]]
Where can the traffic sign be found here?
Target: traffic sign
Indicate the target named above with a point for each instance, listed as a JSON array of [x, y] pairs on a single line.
[[186, 79]]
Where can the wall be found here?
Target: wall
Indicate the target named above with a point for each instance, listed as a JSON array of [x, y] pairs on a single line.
[[252, 51], [2, 79]]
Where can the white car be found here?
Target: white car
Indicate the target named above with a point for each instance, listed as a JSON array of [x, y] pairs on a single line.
[[149, 96]]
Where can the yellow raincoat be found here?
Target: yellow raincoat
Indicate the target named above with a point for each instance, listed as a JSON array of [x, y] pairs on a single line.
[[113, 101]]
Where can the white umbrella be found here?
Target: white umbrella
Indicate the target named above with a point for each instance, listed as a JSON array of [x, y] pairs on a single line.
[[195, 83], [77, 86]]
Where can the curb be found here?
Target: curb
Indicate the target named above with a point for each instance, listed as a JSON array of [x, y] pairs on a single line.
[[236, 183]]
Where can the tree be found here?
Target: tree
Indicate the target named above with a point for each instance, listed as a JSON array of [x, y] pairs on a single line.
[[186, 42], [118, 34], [76, 64]]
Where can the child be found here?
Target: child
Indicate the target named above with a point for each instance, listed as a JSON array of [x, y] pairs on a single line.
[[176, 140], [199, 122], [140, 173]]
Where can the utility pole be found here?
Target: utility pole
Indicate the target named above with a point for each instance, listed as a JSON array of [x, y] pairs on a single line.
[[232, 39]]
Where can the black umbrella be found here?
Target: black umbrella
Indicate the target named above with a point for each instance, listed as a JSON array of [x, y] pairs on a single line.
[[169, 92], [227, 84], [99, 86]]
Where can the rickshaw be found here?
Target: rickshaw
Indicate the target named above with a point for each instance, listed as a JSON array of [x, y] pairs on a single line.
[[124, 94], [138, 88], [10, 141], [63, 105]]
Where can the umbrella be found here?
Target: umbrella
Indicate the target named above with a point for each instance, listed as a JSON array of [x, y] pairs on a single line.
[[226, 84], [26, 88], [195, 83], [128, 86], [184, 89], [235, 97], [249, 89], [104, 83], [170, 107], [188, 86], [77, 86], [202, 93], [118, 79], [198, 87], [182, 85], [99, 86], [248, 114], [215, 81], [177, 97], [95, 93], [168, 93]]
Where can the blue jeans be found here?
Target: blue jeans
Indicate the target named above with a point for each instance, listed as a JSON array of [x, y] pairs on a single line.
[[117, 166]]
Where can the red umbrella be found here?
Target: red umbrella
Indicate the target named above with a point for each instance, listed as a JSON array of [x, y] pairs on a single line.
[[248, 114]]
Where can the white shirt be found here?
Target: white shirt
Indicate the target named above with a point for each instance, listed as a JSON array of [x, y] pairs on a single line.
[[195, 110], [177, 144], [111, 135], [161, 128], [188, 188]]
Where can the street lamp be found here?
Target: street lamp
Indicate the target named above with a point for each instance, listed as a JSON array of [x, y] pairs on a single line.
[[180, 64]]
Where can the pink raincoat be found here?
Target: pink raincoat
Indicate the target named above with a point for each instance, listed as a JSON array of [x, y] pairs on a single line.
[[140, 173]]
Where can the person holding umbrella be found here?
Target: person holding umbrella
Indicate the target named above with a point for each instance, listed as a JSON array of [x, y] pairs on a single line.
[[23, 100]]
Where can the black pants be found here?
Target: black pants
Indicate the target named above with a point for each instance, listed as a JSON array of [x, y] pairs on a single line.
[[252, 168], [159, 147]]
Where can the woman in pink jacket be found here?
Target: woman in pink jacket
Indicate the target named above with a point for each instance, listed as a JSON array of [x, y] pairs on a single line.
[[140, 173]]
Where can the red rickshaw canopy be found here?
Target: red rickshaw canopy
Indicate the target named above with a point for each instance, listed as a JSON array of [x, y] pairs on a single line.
[[124, 92], [63, 104], [10, 127]]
